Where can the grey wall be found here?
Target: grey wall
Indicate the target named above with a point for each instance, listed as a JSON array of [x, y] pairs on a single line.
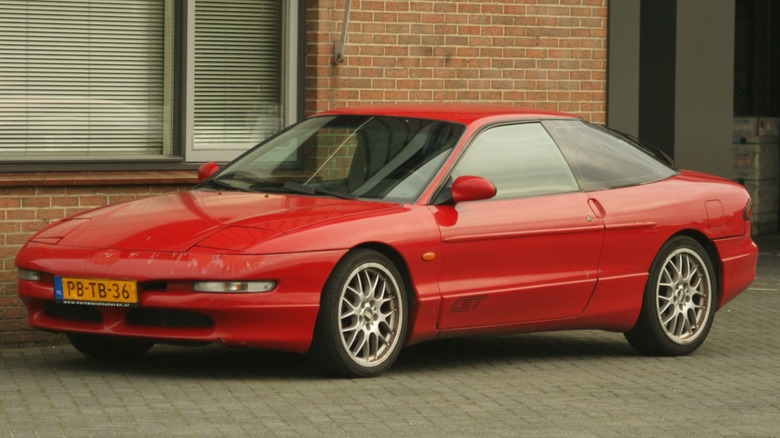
[[670, 77], [704, 102], [623, 66]]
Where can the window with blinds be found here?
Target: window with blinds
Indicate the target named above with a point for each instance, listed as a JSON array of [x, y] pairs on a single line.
[[238, 71], [83, 78]]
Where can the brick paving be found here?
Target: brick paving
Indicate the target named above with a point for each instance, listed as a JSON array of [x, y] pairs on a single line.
[[577, 384]]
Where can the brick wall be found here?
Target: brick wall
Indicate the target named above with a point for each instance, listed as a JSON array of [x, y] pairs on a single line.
[[30, 201], [548, 54]]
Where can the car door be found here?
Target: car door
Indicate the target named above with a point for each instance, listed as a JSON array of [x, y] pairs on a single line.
[[529, 254]]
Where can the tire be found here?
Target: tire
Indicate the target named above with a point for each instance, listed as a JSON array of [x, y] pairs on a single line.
[[679, 301], [361, 325], [109, 348]]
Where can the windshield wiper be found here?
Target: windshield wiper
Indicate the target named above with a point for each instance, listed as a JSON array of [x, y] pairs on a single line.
[[311, 190], [218, 185], [294, 187]]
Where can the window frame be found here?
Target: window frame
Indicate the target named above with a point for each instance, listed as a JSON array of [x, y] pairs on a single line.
[[175, 155], [85, 74], [291, 48]]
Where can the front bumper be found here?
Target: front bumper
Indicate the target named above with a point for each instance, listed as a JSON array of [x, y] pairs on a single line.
[[168, 310]]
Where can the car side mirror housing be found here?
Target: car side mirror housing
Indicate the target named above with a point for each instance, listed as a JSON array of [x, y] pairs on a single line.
[[206, 170], [472, 188]]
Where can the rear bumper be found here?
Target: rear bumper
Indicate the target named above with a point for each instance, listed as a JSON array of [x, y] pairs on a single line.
[[738, 259]]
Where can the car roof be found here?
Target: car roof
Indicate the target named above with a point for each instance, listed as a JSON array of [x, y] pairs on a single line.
[[456, 112]]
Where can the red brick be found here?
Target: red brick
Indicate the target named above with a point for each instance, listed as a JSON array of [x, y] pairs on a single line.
[[409, 84], [21, 215], [384, 18], [444, 96], [48, 214], [17, 191], [32, 226], [397, 5], [371, 95], [36, 202], [396, 95], [420, 95], [64, 201], [93, 201], [444, 7], [9, 202], [470, 95]]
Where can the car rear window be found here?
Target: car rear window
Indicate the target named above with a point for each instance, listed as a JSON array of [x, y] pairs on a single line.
[[602, 160]]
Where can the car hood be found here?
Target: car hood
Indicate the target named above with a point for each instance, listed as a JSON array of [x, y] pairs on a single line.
[[217, 220]]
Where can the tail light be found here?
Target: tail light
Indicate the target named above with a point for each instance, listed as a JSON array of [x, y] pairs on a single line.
[[748, 212]]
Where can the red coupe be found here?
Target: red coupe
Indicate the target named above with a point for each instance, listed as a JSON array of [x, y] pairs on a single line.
[[357, 232]]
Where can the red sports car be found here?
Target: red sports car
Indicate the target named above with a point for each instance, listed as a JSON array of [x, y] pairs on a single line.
[[357, 232]]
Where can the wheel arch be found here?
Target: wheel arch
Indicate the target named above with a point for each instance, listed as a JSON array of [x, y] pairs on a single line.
[[412, 299], [397, 259], [712, 253]]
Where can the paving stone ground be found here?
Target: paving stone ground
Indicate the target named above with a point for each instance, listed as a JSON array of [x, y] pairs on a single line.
[[570, 384]]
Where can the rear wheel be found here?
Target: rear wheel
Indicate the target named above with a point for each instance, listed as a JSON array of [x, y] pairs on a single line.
[[362, 321], [109, 348], [679, 301]]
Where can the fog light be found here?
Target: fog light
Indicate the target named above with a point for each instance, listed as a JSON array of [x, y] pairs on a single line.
[[233, 286], [26, 274]]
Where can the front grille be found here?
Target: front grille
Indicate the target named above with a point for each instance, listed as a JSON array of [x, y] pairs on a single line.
[[152, 286], [72, 313], [168, 318]]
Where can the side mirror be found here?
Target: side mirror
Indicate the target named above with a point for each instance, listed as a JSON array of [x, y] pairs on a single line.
[[206, 170], [472, 188]]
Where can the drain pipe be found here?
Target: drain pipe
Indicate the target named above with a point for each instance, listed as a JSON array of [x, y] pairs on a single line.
[[338, 55]]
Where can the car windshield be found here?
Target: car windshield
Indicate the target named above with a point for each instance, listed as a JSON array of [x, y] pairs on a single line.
[[349, 156]]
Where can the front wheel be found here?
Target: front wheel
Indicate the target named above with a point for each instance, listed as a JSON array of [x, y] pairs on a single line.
[[679, 301], [362, 320]]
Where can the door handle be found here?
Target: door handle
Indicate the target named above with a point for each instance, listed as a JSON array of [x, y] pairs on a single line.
[[597, 208]]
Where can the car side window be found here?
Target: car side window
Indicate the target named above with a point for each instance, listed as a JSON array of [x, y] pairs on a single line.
[[521, 160]]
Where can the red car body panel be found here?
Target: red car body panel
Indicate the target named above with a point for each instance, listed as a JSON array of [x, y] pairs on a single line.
[[549, 253], [577, 260]]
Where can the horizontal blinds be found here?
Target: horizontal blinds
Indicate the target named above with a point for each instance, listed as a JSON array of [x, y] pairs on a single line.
[[81, 78], [237, 72]]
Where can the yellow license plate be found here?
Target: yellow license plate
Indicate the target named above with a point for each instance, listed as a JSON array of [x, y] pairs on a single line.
[[104, 292]]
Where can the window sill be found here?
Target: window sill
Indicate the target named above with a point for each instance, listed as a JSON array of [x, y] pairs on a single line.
[[121, 178]]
